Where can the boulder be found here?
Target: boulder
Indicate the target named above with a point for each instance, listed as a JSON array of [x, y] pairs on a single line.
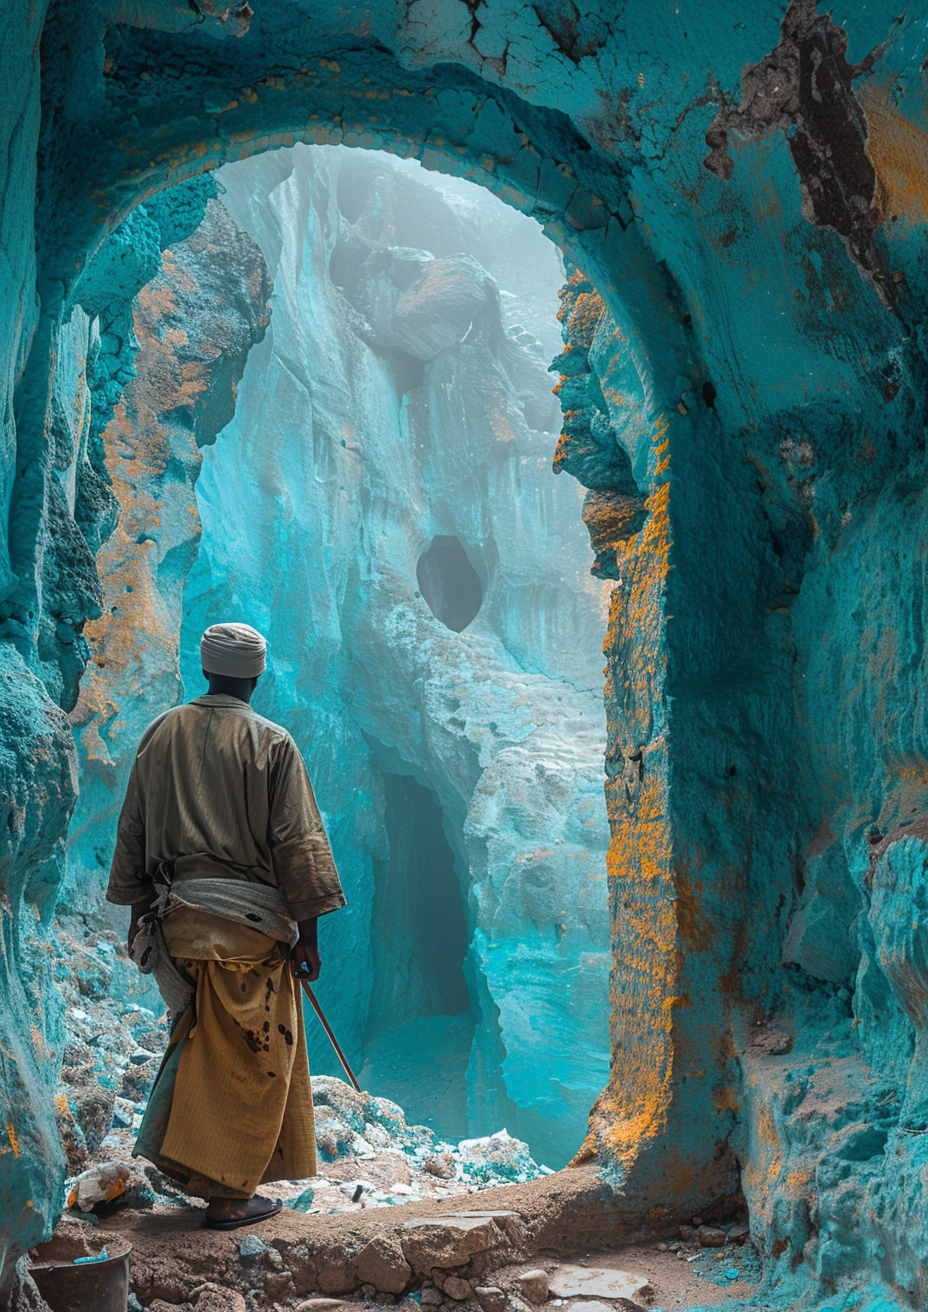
[[490, 1298], [442, 1166], [217, 1298], [381, 1263], [710, 1237], [448, 1241], [533, 1285], [458, 1289]]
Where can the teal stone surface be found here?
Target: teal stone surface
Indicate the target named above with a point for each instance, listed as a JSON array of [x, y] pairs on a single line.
[[742, 190]]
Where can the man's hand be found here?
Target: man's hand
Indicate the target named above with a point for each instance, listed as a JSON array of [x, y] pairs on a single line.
[[304, 960], [138, 911]]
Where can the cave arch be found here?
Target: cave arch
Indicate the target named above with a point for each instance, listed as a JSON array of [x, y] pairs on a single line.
[[596, 231], [697, 674]]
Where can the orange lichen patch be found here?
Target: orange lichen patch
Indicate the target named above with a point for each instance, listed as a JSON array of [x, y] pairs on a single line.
[[899, 153], [11, 1135], [633, 1107], [588, 309], [726, 1099], [62, 1106], [798, 1182], [697, 931], [134, 631]]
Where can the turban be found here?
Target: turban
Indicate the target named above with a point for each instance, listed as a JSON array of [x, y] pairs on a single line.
[[236, 650]]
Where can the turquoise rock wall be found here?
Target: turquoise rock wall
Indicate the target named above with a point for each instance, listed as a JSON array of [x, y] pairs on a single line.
[[745, 190]]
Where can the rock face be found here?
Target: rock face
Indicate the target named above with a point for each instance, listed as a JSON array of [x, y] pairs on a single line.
[[747, 197], [193, 325], [385, 447]]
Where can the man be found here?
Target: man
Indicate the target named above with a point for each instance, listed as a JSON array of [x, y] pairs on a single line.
[[222, 855]]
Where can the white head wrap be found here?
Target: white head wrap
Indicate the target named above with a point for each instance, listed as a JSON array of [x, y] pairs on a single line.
[[236, 650]]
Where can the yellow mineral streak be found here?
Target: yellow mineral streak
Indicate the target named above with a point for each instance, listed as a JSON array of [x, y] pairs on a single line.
[[633, 1107], [899, 153]]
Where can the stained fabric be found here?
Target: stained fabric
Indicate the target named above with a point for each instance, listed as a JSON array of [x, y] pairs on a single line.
[[223, 793], [205, 916], [232, 1107]]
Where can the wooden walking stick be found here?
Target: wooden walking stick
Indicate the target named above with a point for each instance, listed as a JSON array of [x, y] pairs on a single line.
[[328, 1029]]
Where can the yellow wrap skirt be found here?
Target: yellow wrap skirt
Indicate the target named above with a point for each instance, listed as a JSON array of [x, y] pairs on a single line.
[[231, 1107]]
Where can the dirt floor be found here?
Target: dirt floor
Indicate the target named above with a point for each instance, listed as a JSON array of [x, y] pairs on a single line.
[[567, 1218]]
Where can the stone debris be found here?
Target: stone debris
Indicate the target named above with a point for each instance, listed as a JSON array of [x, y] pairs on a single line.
[[534, 1285], [451, 1241], [381, 1263], [216, 1298], [369, 1155], [457, 1288], [490, 1298], [598, 1282], [619, 1305]]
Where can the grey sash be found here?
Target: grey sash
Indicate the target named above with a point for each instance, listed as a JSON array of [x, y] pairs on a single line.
[[255, 905]]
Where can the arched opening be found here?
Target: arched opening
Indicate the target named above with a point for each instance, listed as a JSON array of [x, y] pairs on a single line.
[[451, 719]]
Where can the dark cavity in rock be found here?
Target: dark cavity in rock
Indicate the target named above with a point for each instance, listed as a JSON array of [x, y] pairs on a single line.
[[448, 582]]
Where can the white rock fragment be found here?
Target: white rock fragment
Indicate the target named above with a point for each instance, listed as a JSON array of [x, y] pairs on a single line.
[[598, 1282]]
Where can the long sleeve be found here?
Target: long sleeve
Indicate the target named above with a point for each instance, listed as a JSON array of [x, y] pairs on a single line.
[[303, 861], [128, 878]]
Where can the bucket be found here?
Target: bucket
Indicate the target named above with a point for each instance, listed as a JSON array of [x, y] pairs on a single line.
[[88, 1286]]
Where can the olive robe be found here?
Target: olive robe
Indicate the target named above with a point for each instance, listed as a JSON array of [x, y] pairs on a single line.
[[221, 792]]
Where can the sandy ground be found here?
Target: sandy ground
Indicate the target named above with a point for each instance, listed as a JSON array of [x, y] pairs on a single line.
[[172, 1254]]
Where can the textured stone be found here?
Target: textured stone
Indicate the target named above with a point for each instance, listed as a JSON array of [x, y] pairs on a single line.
[[596, 1282], [534, 1285], [217, 1298], [763, 370], [381, 1264], [457, 1288], [376, 686], [448, 1241]]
